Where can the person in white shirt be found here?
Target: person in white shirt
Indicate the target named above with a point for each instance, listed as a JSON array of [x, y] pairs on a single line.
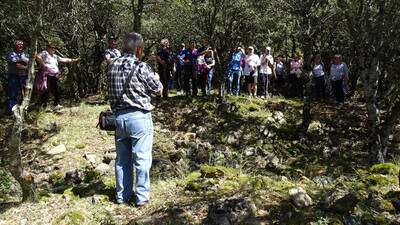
[[267, 66], [251, 64], [318, 72], [339, 74]]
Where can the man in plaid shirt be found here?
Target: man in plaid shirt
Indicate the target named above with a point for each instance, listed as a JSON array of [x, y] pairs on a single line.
[[131, 106]]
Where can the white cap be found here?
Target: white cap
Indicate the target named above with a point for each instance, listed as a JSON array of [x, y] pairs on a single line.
[[268, 48]]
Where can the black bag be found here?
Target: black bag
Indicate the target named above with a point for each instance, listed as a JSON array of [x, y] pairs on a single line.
[[107, 119]]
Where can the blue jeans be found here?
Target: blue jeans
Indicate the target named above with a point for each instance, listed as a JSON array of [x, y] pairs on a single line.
[[133, 141], [15, 85], [234, 82], [209, 81]]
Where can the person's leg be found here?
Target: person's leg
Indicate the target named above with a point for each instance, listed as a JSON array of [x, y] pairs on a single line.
[[340, 92], [267, 84], [209, 81], [261, 85], [195, 81], [22, 84], [164, 78], [123, 162], [237, 83], [229, 82], [52, 83], [187, 79], [13, 89], [143, 134]]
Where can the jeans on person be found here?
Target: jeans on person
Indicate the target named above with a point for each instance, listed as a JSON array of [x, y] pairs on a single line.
[[209, 77], [337, 86], [15, 85], [234, 82], [133, 141], [320, 86]]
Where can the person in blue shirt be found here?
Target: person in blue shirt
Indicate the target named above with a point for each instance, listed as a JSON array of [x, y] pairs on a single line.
[[234, 71], [17, 74], [180, 55]]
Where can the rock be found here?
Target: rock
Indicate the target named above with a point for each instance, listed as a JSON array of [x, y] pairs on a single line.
[[341, 201], [74, 177], [230, 211], [249, 151], [181, 143], [300, 198], [91, 158], [109, 157], [103, 168], [23, 222], [190, 136], [42, 177], [323, 180], [272, 161], [231, 139], [57, 150], [96, 199], [52, 127]]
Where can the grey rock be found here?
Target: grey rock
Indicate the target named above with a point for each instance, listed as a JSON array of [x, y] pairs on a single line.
[[300, 198], [57, 150], [249, 151], [109, 157], [341, 201], [231, 139], [103, 168], [75, 176], [91, 158]]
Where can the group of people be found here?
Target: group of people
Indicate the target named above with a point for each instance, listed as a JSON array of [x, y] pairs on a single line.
[[132, 82], [46, 81], [246, 68]]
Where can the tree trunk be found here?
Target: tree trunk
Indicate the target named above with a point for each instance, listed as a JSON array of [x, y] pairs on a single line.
[[137, 15], [24, 178], [307, 105], [371, 78]]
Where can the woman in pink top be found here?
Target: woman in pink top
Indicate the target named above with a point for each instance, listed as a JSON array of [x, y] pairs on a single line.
[[50, 73], [295, 77]]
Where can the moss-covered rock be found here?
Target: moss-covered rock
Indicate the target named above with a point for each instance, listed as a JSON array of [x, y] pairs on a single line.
[[208, 171], [56, 177], [382, 180], [385, 168], [70, 218]]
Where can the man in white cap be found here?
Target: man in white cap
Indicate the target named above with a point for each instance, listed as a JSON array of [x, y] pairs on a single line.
[[266, 69]]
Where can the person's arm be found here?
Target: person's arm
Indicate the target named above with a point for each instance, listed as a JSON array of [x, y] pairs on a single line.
[[108, 59], [39, 59], [67, 60], [153, 83], [345, 71]]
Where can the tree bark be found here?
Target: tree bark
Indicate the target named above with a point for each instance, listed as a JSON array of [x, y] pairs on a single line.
[[24, 178], [371, 80], [137, 15]]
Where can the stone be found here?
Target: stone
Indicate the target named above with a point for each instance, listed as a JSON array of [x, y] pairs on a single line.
[[249, 151], [109, 157], [57, 150], [91, 158], [341, 201], [190, 136], [103, 168], [230, 211], [74, 177], [300, 198], [23, 222], [42, 177], [231, 139]]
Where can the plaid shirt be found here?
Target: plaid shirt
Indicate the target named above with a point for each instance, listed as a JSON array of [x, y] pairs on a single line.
[[142, 84]]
